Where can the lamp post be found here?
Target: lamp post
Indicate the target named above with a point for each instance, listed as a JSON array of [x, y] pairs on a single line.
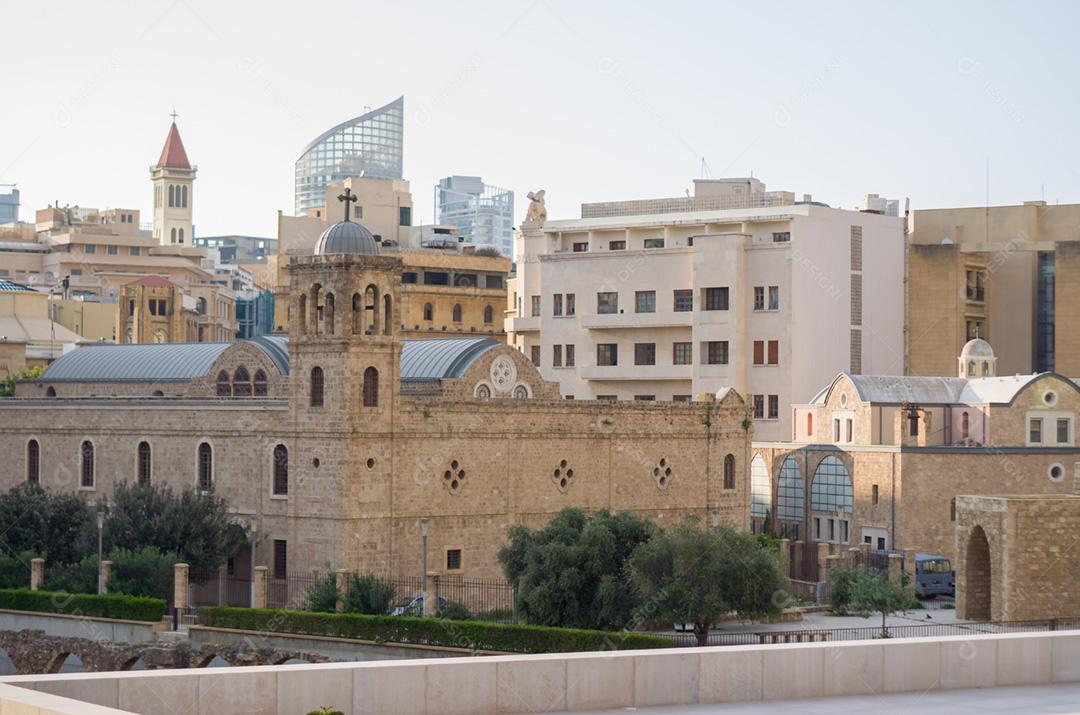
[[423, 562], [100, 527]]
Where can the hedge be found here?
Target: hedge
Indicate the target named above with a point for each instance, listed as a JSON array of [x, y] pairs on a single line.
[[131, 608], [427, 631]]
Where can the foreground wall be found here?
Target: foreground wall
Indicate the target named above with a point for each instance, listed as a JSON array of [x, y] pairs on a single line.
[[583, 681]]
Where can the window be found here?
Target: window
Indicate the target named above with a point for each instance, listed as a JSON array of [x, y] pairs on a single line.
[[1035, 431], [774, 407], [87, 454], [281, 558], [952, 509], [224, 388], [716, 352], [607, 303], [607, 354], [849, 429], [172, 235], [684, 301], [144, 463], [436, 278], [371, 387], [607, 398], [183, 193], [405, 216], [453, 559], [489, 315], [281, 471], [836, 430], [157, 306], [493, 281], [759, 352], [1063, 431], [874, 494], [965, 424], [89, 248], [570, 307], [535, 304], [556, 355], [759, 298], [409, 277], [781, 236], [581, 246], [111, 250], [644, 353], [913, 423], [831, 488], [358, 211], [774, 352], [535, 355], [456, 314], [133, 250], [759, 407], [809, 424], [172, 195], [654, 243], [570, 355], [206, 467], [33, 461], [616, 245], [729, 471], [260, 383], [429, 312], [682, 353], [790, 492], [681, 398], [645, 301], [716, 298], [180, 235], [316, 387], [774, 297], [760, 488], [645, 398], [556, 304], [241, 383]]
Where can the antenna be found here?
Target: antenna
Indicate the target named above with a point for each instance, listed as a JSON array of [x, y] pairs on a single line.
[[986, 234], [706, 172]]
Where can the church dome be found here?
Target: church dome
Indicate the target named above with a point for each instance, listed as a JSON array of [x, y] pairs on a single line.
[[977, 348], [346, 237]]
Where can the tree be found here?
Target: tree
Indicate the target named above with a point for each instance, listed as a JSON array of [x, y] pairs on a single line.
[[144, 572], [322, 595], [7, 387], [368, 594], [690, 575], [874, 592], [47, 523], [193, 525], [572, 572]]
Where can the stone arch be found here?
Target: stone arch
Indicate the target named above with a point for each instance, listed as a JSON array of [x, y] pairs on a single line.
[[302, 314], [760, 488], [371, 305], [66, 662], [371, 387], [316, 309], [357, 314], [7, 665], [388, 314], [328, 320], [134, 663], [212, 659], [977, 577]]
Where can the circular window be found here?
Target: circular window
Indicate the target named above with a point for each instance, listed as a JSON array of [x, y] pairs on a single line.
[[1056, 472], [371, 463], [1050, 397], [843, 399], [315, 463], [454, 464]]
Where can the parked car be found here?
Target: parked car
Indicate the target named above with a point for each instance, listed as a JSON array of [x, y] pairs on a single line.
[[414, 606], [934, 576]]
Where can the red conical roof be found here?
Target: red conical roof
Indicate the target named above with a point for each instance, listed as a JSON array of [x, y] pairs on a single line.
[[173, 154]]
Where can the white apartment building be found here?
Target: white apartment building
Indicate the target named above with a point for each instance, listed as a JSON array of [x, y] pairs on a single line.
[[668, 299]]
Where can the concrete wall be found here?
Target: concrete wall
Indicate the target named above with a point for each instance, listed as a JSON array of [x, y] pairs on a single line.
[[77, 626], [585, 681]]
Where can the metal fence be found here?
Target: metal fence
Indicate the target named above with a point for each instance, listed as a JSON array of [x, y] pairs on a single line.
[[484, 599], [208, 588]]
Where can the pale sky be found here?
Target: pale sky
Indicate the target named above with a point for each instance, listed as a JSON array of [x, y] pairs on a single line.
[[591, 101]]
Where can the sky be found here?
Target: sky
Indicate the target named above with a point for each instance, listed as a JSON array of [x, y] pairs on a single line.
[[592, 101]]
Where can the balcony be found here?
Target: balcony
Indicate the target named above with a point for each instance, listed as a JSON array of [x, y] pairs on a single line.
[[976, 293], [618, 321], [637, 372], [522, 325]]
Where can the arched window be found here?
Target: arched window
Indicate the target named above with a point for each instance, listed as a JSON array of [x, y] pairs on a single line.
[[357, 314], [965, 424], [371, 387], [429, 312], [33, 461], [173, 235], [206, 467], [241, 382], [87, 472], [489, 315], [316, 387], [952, 509], [172, 198], [809, 424], [329, 315], [316, 309], [301, 312], [388, 314], [790, 492], [371, 300], [180, 236], [200, 306], [260, 383], [144, 463], [831, 488], [51, 392], [985, 368], [457, 313], [224, 389], [281, 471], [183, 192], [760, 488], [729, 471]]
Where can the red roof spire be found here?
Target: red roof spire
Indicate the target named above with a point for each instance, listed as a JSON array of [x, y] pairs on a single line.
[[173, 154]]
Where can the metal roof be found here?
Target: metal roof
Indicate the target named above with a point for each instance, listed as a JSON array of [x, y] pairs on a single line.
[[895, 389], [9, 287], [441, 358]]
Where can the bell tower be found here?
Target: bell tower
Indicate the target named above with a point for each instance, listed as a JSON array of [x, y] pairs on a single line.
[[174, 178]]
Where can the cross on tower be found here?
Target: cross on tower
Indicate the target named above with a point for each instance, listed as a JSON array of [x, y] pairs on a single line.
[[348, 197], [174, 115]]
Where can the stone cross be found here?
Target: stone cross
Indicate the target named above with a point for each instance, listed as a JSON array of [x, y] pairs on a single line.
[[348, 197]]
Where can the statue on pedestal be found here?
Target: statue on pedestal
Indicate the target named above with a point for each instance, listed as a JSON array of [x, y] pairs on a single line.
[[537, 212]]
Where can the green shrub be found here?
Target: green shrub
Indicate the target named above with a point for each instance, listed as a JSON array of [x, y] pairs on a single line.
[[322, 594], [77, 577], [453, 611], [369, 594], [15, 571], [842, 583], [145, 572], [427, 631], [132, 608]]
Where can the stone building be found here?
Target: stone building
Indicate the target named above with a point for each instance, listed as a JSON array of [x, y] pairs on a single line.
[[330, 444], [880, 460]]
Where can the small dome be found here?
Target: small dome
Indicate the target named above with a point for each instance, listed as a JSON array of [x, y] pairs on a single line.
[[346, 237], [977, 348]]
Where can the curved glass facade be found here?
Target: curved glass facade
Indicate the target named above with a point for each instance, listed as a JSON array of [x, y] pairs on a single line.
[[369, 145]]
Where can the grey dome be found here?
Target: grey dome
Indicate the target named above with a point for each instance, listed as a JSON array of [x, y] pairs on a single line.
[[977, 348], [346, 237]]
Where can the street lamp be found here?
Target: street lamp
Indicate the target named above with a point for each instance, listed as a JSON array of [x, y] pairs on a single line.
[[100, 527], [423, 563]]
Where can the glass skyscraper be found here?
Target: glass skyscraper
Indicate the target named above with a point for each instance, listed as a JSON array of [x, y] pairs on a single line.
[[366, 146], [483, 214]]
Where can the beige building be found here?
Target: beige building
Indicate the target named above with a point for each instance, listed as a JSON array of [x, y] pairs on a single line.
[[734, 287], [1011, 273], [29, 337], [880, 460], [332, 443]]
